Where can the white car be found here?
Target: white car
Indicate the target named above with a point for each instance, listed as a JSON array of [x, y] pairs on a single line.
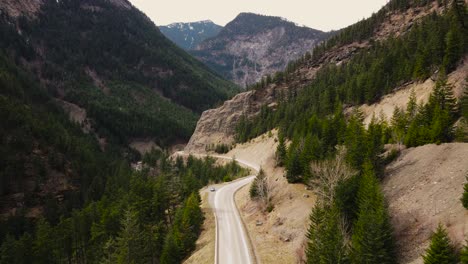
[[212, 189]]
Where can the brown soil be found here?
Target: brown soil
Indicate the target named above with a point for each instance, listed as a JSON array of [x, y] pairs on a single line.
[[281, 236], [423, 188], [401, 96]]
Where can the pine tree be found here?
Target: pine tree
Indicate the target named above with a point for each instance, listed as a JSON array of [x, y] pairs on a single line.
[[412, 106], [43, 243], [281, 150], [372, 240], [464, 198], [129, 243], [441, 250], [464, 103], [464, 254], [326, 237]]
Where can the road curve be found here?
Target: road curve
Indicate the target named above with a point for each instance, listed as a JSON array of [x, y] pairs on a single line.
[[232, 243], [232, 240]]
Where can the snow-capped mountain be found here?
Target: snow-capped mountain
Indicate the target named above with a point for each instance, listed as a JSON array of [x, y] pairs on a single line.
[[189, 35]]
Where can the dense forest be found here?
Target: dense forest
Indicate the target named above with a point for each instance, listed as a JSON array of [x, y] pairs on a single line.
[[114, 63], [102, 210], [151, 216], [351, 224]]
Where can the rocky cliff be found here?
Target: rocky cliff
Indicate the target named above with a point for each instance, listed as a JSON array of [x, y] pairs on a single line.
[[218, 125], [252, 46]]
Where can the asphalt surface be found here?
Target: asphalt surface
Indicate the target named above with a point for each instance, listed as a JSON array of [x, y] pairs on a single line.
[[232, 243]]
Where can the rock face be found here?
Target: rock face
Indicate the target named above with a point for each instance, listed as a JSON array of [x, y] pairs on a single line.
[[189, 35], [218, 125], [252, 46]]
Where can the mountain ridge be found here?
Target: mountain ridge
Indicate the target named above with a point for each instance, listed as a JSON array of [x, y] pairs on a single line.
[[188, 35], [252, 46]]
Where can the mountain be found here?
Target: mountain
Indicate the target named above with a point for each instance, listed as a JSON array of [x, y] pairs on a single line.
[[189, 35], [80, 80], [343, 113], [109, 60], [395, 21], [252, 46]]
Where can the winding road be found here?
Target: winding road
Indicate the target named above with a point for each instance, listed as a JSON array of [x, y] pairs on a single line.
[[232, 242]]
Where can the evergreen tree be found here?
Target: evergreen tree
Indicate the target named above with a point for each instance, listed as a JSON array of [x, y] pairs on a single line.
[[464, 198], [372, 240], [441, 250], [43, 243], [326, 236], [129, 242], [464, 254], [281, 150]]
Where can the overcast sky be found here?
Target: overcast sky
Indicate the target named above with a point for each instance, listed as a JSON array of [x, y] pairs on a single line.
[[319, 14]]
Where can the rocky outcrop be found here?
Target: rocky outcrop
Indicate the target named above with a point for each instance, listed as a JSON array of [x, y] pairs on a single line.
[[218, 125], [15, 8], [252, 46]]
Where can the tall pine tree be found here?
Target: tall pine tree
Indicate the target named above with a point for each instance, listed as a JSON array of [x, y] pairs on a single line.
[[441, 250], [372, 240]]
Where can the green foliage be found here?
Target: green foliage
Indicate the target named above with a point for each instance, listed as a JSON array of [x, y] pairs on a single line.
[[441, 250], [222, 148], [464, 254], [280, 151], [125, 88], [326, 237], [431, 123], [372, 240], [257, 183], [464, 198], [141, 218]]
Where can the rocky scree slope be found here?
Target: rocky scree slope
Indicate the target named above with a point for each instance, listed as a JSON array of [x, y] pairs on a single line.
[[189, 35], [252, 46], [218, 125]]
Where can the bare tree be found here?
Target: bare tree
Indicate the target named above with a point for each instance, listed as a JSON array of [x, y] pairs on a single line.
[[262, 189], [329, 173]]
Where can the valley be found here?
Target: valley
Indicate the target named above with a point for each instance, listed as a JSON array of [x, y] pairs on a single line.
[[255, 140]]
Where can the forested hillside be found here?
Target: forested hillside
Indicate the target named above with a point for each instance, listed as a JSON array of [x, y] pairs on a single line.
[[112, 61], [67, 191], [350, 223]]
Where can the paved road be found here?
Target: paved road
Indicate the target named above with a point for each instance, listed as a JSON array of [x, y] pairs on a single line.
[[232, 240], [232, 243]]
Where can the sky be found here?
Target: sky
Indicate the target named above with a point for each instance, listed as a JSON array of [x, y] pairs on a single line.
[[324, 15]]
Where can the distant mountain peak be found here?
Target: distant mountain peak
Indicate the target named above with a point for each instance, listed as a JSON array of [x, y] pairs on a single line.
[[188, 35], [252, 46]]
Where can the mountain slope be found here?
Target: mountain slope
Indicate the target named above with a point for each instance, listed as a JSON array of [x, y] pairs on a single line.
[[109, 59], [357, 43], [189, 35], [252, 46], [79, 81]]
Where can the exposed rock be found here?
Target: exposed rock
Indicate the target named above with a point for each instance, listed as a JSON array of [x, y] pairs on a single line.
[[218, 125], [252, 46], [16, 8]]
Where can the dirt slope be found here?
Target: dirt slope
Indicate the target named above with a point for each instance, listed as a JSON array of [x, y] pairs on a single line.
[[280, 237], [423, 187], [401, 96]]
